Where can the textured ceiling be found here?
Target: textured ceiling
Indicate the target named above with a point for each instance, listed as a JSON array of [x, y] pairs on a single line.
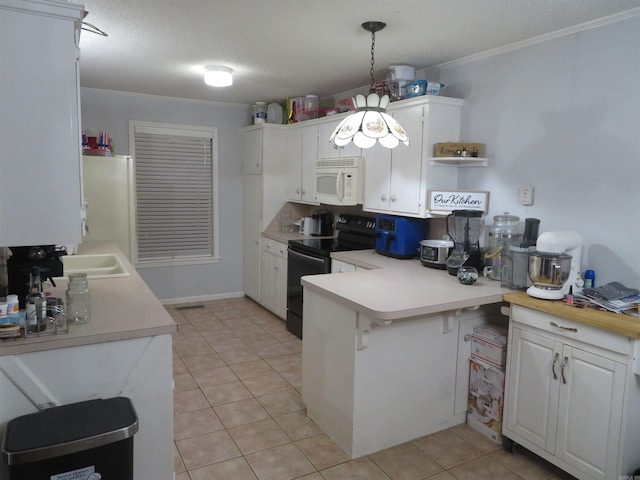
[[281, 48]]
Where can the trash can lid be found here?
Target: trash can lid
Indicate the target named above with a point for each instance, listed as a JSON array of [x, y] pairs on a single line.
[[68, 429]]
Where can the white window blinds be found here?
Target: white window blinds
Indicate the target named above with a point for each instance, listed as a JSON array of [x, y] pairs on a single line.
[[175, 172]]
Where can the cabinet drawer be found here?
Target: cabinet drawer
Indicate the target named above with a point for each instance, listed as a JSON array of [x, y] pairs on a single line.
[[568, 329], [281, 249]]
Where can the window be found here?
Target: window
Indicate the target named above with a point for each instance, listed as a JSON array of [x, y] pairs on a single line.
[[176, 175]]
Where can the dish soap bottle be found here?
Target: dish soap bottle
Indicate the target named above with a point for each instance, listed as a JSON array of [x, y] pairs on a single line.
[[78, 309]]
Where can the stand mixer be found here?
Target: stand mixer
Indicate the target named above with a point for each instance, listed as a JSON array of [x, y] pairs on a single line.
[[555, 265]]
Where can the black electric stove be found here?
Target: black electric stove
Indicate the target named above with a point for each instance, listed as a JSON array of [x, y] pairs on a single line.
[[311, 256], [355, 232]]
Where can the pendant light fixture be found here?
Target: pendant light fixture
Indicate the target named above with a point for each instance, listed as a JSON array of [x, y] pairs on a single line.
[[370, 123]]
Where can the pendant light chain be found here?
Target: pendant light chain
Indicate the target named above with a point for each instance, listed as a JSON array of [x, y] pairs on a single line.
[[373, 46], [369, 123]]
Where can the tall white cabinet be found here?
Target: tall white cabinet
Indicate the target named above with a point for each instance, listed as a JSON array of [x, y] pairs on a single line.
[[571, 395], [40, 148], [397, 180], [264, 157]]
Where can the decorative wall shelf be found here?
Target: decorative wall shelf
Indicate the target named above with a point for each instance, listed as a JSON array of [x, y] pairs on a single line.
[[459, 161]]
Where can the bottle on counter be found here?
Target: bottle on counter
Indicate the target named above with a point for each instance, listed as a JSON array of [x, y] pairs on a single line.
[[78, 308], [35, 303], [589, 279]]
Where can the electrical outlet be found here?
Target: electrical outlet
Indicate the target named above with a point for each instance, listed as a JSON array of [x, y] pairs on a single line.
[[526, 195]]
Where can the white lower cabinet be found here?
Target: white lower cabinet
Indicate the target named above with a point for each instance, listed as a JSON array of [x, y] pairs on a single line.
[[571, 395], [273, 295]]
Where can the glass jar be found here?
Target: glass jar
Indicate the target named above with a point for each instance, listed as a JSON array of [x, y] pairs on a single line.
[[506, 230], [78, 309]]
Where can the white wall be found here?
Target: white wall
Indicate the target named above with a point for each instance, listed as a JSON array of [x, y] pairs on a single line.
[[562, 115], [111, 111]]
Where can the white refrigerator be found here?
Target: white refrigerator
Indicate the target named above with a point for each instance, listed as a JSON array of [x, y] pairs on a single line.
[[108, 194]]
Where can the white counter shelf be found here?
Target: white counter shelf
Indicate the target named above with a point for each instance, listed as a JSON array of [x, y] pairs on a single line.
[[459, 161]]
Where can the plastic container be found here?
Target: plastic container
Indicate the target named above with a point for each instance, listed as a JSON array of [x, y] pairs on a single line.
[[589, 279], [13, 306], [399, 76], [259, 114], [415, 88], [78, 309], [85, 440], [274, 113]]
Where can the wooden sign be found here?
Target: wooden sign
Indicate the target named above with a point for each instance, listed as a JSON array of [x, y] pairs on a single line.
[[448, 200]]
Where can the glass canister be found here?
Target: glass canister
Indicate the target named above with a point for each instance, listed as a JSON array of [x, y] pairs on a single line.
[[506, 230], [78, 308]]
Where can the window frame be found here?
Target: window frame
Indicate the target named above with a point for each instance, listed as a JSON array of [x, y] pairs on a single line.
[[161, 128]]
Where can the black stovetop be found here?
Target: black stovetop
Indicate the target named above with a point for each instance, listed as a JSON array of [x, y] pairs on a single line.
[[355, 232]]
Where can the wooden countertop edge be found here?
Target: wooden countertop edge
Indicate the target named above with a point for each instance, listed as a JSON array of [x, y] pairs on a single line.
[[612, 322]]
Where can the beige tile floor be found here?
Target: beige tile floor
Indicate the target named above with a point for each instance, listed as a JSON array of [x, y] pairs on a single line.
[[238, 413]]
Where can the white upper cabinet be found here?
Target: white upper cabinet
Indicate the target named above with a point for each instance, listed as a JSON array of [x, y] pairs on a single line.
[[40, 146], [302, 153], [397, 180], [327, 149]]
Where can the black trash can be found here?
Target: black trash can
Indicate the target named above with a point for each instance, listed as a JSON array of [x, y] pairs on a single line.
[[81, 441]]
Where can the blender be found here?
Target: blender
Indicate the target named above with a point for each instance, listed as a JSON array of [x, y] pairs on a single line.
[[555, 266], [464, 227]]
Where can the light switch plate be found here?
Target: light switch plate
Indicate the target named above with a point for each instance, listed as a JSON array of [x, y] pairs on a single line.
[[526, 195]]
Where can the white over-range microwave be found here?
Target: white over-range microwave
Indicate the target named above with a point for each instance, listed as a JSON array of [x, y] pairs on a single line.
[[339, 181]]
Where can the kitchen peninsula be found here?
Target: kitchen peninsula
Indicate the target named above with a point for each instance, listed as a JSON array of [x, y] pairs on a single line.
[[125, 350], [384, 357]]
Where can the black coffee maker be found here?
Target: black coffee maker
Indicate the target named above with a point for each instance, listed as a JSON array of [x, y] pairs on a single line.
[[23, 259], [324, 222]]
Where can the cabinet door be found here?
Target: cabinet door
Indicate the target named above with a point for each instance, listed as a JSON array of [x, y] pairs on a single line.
[[252, 152], [267, 275], [590, 412], [280, 294], [341, 267], [40, 151], [377, 169], [406, 164], [309, 157], [252, 228], [327, 149], [294, 165], [393, 177], [531, 408]]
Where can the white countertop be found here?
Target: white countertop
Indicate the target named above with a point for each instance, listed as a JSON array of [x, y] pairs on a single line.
[[393, 289], [121, 309]]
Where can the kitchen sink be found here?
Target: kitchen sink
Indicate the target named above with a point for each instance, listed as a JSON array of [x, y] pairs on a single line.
[[106, 265]]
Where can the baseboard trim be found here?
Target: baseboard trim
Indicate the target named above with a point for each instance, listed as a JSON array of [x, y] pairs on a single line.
[[201, 298]]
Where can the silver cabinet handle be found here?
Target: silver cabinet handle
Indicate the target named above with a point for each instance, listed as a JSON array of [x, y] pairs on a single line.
[[569, 329], [553, 366], [564, 364], [383, 197], [393, 198]]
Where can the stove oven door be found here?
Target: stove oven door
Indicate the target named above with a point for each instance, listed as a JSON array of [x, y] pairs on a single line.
[[300, 264]]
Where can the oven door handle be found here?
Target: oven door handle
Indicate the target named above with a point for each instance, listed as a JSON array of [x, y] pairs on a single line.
[[312, 258]]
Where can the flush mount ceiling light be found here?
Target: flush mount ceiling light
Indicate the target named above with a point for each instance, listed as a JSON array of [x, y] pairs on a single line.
[[370, 123], [218, 76]]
